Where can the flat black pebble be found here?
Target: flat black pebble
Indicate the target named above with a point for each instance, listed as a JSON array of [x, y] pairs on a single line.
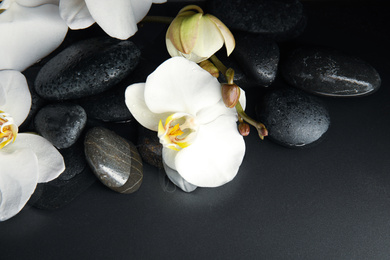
[[330, 73], [61, 123], [86, 68], [293, 118], [114, 160]]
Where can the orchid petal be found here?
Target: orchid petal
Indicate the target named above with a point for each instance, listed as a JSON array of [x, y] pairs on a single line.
[[18, 179], [135, 102], [50, 162], [175, 177], [34, 3], [75, 13], [208, 114], [16, 95], [228, 37], [181, 85], [140, 8], [29, 34], [209, 40], [214, 158], [115, 17], [2, 94]]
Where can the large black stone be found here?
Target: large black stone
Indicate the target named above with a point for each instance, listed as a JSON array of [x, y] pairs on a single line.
[[149, 147], [61, 123], [114, 160], [279, 19], [258, 57], [329, 72], [86, 68], [293, 118], [110, 105]]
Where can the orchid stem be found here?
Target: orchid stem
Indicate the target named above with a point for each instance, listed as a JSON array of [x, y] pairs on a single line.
[[242, 116], [157, 19]]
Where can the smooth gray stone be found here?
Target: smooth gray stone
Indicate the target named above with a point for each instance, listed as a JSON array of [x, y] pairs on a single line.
[[293, 118], [61, 123], [114, 160], [278, 19], [258, 57], [86, 68], [330, 73]]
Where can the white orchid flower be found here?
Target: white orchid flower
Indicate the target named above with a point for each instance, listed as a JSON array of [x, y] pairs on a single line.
[[118, 18], [30, 30], [25, 159], [201, 143]]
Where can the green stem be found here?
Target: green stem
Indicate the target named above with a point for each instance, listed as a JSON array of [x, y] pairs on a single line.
[[242, 116], [157, 19]]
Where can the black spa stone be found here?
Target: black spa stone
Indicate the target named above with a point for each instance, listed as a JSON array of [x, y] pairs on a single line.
[[149, 147], [61, 123], [279, 19], [293, 118], [258, 57], [86, 68], [329, 72]]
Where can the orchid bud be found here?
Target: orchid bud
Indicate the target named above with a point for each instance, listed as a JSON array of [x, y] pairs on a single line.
[[197, 36], [244, 129], [210, 67], [230, 94]]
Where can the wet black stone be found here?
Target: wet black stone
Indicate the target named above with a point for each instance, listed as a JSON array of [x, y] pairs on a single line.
[[258, 57], [110, 105], [279, 19], [329, 72], [149, 147], [293, 118], [74, 161], [114, 160], [86, 68], [61, 123]]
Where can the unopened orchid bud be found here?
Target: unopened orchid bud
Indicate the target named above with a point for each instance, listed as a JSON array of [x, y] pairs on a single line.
[[210, 67], [244, 129], [197, 36], [230, 94]]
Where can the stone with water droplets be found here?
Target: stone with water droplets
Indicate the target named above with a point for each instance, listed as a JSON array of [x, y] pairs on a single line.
[[86, 68], [330, 73], [278, 19], [61, 123], [114, 160], [293, 118], [258, 57]]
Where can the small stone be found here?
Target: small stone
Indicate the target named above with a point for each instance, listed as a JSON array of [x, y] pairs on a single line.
[[86, 68], [76, 178], [114, 160], [149, 147], [330, 73], [61, 123], [258, 57], [278, 19], [293, 118]]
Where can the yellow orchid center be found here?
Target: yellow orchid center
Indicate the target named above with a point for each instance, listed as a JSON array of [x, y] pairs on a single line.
[[178, 132], [8, 129]]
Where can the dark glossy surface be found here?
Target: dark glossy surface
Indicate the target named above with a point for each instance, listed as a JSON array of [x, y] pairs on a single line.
[[330, 201]]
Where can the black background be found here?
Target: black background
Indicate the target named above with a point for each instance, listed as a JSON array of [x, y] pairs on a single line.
[[330, 201]]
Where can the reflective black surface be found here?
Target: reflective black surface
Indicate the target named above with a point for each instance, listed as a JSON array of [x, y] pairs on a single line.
[[330, 201]]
